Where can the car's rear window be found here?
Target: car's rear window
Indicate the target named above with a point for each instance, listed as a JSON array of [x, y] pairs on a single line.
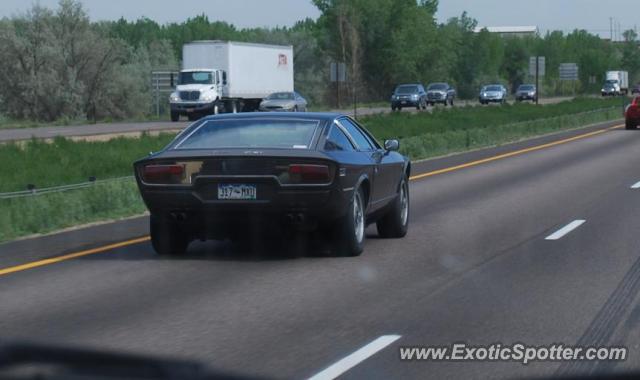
[[285, 134], [526, 88], [493, 88]]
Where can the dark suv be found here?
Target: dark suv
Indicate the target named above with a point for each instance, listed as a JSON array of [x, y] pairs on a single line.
[[440, 93], [409, 95]]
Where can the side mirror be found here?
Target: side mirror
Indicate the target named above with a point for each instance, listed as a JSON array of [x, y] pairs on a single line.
[[391, 145]]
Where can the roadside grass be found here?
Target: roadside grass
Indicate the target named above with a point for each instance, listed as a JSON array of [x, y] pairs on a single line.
[[440, 143], [54, 211], [65, 161]]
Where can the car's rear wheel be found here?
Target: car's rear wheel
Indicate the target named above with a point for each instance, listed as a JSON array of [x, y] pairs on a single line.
[[167, 238], [348, 237], [629, 125], [395, 223], [175, 116]]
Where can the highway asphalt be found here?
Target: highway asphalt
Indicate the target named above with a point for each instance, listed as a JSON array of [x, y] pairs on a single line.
[[123, 129], [477, 266]]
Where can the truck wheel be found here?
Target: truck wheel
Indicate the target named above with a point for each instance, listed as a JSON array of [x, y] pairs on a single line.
[[396, 222], [175, 116], [349, 235], [167, 238]]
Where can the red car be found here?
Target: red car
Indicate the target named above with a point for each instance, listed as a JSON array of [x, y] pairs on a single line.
[[632, 114]]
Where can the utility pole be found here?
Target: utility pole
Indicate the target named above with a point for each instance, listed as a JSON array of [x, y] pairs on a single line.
[[611, 27], [537, 80]]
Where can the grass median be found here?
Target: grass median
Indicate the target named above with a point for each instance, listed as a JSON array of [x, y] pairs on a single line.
[[422, 135], [43, 213]]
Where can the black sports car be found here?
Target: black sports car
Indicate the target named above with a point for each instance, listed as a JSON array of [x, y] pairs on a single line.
[[227, 174]]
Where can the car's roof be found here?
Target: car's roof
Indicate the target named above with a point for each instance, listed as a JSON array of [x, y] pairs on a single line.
[[439, 83], [321, 116], [409, 84]]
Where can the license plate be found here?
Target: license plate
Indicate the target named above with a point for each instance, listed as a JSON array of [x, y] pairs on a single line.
[[237, 191], [404, 102], [189, 110]]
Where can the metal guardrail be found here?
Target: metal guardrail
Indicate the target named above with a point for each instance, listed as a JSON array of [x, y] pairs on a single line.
[[59, 189]]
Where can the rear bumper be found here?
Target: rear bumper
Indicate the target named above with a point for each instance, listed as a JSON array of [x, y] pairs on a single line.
[[186, 108], [206, 217], [632, 120]]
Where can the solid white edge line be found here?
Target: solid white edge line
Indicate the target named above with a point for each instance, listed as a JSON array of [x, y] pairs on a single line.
[[636, 186], [345, 364], [565, 230]]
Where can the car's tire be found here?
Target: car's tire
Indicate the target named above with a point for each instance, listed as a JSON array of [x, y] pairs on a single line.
[[451, 102], [349, 231], [445, 102], [395, 223], [393, 109], [628, 125], [175, 116], [167, 238], [295, 109], [424, 105], [418, 106]]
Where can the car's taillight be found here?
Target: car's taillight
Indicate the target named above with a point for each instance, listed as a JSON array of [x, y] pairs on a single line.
[[163, 174], [633, 110], [309, 174]]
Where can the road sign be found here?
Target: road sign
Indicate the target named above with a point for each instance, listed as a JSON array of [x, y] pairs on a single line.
[[338, 72], [541, 66], [568, 71]]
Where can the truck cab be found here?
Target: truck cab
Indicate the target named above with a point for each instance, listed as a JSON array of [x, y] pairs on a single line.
[[198, 93]]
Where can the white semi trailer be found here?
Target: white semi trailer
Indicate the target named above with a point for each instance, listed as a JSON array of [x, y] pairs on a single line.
[[224, 76]]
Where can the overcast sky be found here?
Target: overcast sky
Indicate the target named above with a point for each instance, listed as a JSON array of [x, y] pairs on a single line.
[[565, 15]]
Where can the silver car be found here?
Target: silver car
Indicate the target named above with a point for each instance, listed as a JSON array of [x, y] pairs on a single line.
[[284, 101], [493, 93]]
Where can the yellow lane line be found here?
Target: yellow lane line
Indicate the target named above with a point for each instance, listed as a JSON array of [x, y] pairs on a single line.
[[510, 154], [53, 260]]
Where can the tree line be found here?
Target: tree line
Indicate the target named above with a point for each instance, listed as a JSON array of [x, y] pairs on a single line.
[[58, 64]]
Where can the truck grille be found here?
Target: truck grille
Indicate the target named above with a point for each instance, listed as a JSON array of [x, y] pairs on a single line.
[[189, 95]]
